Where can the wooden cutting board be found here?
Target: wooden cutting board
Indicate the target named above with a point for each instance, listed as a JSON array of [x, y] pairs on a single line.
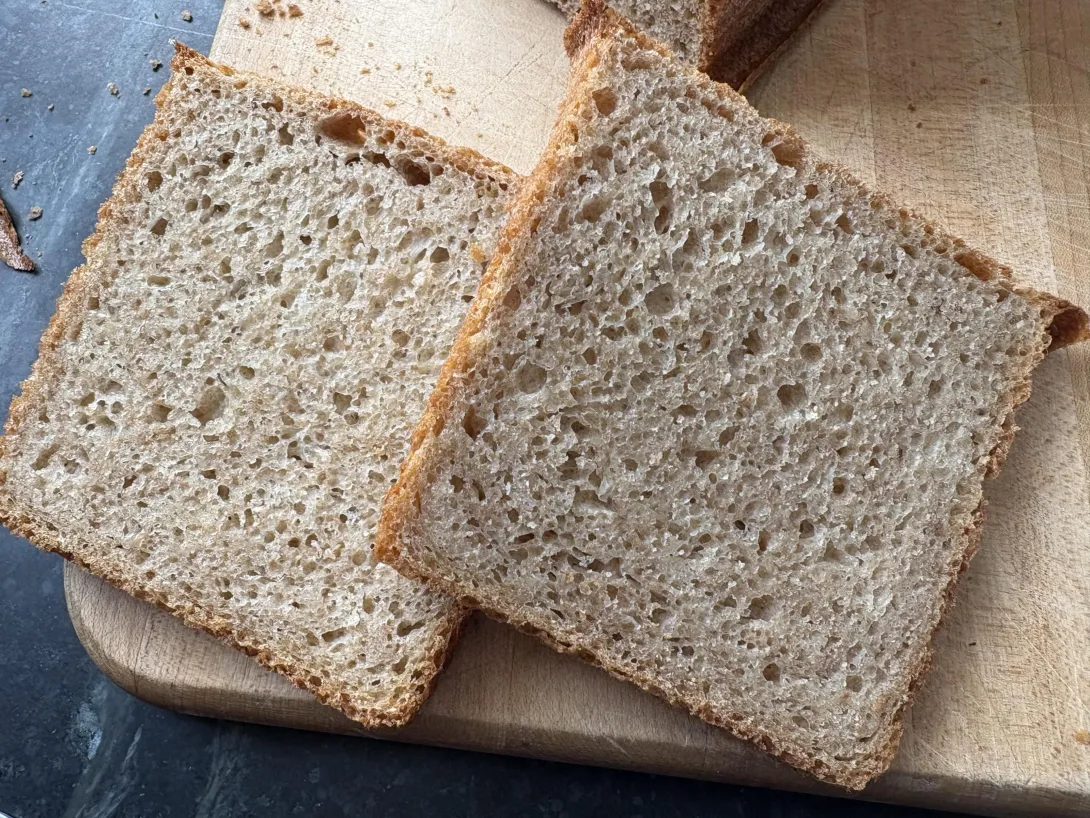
[[976, 112]]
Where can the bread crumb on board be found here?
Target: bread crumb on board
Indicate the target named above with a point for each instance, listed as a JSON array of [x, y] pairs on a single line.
[[112, 88], [243, 22], [91, 150], [264, 8], [26, 93], [147, 91], [16, 179], [1083, 737], [294, 10], [35, 214], [11, 253], [49, 107], [155, 65], [187, 15]]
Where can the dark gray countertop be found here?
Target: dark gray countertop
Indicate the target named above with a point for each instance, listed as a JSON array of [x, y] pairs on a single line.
[[71, 743]]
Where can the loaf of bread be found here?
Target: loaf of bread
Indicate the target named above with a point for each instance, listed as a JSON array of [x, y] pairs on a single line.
[[719, 417], [730, 40], [231, 380]]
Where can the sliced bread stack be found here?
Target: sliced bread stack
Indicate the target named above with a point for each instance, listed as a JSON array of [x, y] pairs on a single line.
[[730, 40], [230, 381], [719, 417]]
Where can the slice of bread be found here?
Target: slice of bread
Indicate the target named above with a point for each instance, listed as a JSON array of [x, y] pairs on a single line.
[[730, 40], [719, 417], [230, 381]]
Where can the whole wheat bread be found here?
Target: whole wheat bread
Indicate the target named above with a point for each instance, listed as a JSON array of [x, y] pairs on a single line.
[[730, 40], [230, 381], [719, 417]]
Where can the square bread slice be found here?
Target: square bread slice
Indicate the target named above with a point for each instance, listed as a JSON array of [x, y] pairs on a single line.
[[719, 417], [730, 40], [231, 380]]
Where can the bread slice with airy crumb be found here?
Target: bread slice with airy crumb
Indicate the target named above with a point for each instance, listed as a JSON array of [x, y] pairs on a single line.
[[730, 40], [719, 417], [231, 380]]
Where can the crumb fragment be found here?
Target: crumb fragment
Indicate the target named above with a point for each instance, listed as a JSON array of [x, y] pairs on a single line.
[[365, 70], [156, 65], [294, 10], [49, 107], [11, 253], [147, 91], [26, 93], [187, 15], [390, 103], [16, 179], [35, 214], [446, 111], [91, 150], [264, 8], [397, 66], [243, 23], [1083, 737], [326, 40], [112, 88]]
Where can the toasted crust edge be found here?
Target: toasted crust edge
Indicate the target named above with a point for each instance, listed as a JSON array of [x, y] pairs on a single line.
[[1064, 323], [71, 307]]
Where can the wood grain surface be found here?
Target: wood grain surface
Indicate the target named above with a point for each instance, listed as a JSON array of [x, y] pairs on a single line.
[[978, 114]]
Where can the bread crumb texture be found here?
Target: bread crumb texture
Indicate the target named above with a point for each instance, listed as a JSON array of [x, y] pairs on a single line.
[[232, 378], [719, 419]]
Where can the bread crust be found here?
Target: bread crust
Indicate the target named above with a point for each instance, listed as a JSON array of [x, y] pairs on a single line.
[[740, 38], [1062, 322], [47, 372]]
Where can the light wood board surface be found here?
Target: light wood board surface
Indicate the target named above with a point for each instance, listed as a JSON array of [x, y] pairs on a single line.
[[977, 113]]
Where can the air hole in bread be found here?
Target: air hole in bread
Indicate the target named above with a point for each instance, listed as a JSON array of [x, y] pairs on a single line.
[[593, 209], [531, 378], [719, 181], [158, 280], [761, 607], [413, 173], [160, 226], [662, 300], [210, 405], [160, 412], [605, 100], [771, 672], [284, 135]]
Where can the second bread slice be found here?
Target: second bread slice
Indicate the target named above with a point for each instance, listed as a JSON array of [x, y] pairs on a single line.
[[719, 418]]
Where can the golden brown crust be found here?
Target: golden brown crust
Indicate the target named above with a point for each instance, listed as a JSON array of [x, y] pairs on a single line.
[[740, 38], [1062, 323], [48, 370], [11, 253]]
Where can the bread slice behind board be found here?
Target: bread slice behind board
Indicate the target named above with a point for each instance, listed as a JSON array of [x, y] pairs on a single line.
[[730, 40]]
